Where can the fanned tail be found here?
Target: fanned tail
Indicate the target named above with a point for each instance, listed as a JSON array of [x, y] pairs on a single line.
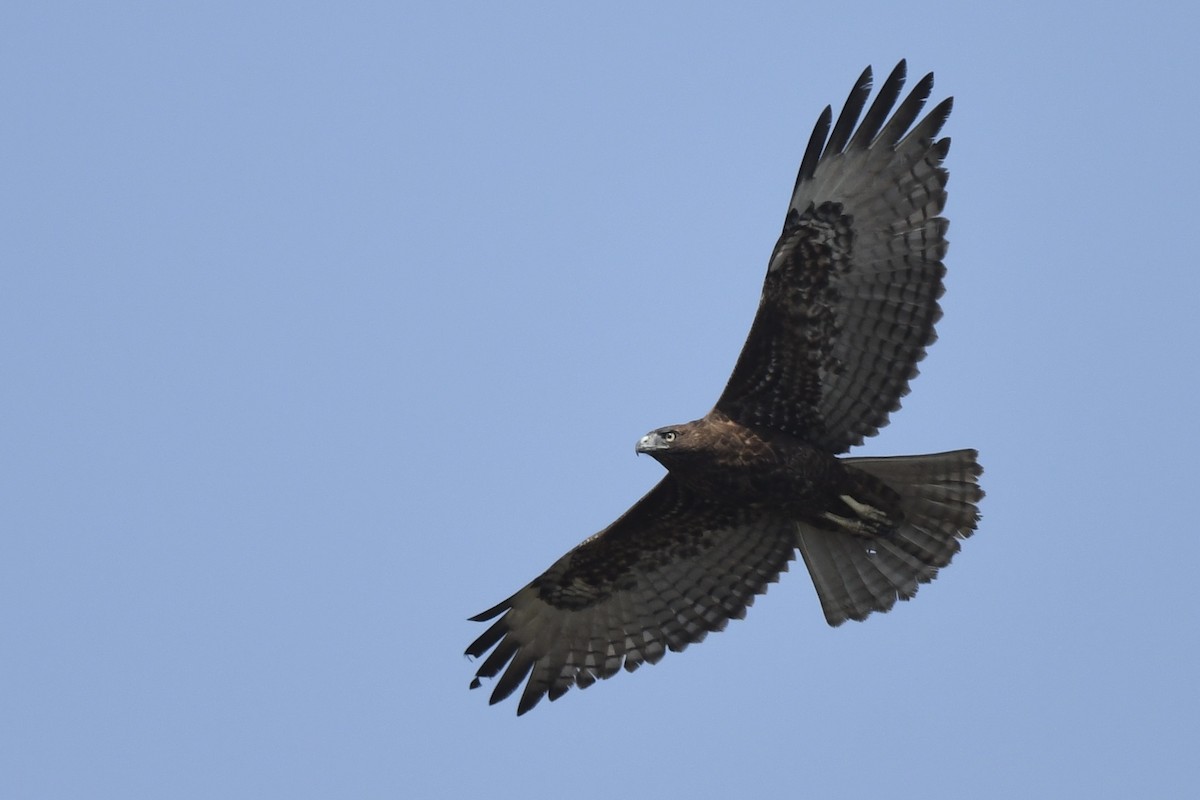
[[855, 576]]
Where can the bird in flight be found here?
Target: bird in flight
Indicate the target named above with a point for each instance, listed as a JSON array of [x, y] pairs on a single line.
[[848, 308]]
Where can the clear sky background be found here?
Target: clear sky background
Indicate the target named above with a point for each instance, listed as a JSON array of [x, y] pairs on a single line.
[[324, 327]]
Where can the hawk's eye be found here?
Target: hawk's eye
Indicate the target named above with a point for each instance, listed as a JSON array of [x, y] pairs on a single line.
[[669, 436]]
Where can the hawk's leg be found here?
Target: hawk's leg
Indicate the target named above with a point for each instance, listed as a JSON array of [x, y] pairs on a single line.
[[866, 520]]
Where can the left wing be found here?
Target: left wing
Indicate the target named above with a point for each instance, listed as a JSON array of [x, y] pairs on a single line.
[[850, 297], [674, 567]]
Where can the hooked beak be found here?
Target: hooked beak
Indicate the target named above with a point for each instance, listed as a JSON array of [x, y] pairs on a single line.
[[650, 443]]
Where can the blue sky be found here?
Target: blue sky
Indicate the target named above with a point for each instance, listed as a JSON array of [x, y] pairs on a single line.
[[323, 328]]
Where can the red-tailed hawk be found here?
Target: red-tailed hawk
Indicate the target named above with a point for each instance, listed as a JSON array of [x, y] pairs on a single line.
[[847, 310]]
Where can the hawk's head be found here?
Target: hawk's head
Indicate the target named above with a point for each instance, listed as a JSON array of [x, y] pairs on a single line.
[[706, 448], [656, 441], [675, 445]]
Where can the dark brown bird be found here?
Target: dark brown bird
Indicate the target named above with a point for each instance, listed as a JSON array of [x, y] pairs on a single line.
[[848, 307]]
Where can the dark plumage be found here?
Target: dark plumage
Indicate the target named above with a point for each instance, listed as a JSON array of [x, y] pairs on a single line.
[[848, 307]]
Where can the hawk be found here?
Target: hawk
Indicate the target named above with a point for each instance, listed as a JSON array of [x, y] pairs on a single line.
[[848, 308]]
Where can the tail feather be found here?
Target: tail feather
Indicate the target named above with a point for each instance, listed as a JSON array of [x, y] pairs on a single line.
[[855, 576]]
